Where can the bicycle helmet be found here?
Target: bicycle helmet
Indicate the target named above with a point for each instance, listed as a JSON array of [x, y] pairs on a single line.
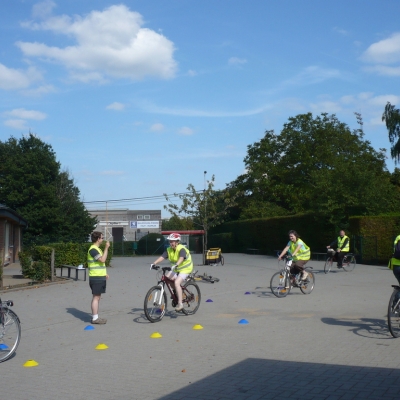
[[174, 236]]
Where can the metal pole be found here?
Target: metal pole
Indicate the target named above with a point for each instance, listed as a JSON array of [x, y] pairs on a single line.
[[205, 221], [52, 265]]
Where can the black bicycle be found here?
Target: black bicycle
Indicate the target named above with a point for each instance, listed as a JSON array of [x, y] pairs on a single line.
[[393, 315], [348, 263], [10, 330]]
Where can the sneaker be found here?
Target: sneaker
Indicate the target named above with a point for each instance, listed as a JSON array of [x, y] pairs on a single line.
[[179, 307], [99, 321], [339, 266], [304, 276]]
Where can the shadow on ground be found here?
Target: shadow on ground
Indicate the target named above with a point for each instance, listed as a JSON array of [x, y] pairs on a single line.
[[366, 327], [83, 316], [271, 379]]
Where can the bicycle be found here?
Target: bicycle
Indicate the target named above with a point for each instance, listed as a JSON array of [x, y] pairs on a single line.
[[204, 277], [348, 263], [394, 312], [10, 330], [282, 282], [155, 302]]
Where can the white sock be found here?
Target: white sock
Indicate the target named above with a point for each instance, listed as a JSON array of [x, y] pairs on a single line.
[[95, 316]]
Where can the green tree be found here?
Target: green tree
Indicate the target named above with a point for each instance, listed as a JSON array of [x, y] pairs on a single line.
[[31, 183], [206, 208], [391, 116], [316, 164], [176, 223]]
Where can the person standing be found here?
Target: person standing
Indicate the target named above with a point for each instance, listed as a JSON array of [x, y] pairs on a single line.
[[96, 260], [300, 253], [342, 246]]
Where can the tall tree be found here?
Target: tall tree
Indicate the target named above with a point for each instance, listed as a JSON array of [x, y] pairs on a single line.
[[31, 183], [320, 165], [391, 116], [206, 208]]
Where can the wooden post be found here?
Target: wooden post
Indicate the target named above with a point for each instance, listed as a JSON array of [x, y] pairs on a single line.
[[52, 265]]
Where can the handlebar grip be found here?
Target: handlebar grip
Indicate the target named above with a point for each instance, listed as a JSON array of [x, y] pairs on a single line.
[[166, 269]]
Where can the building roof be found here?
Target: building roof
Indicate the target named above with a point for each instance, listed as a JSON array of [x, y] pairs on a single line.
[[8, 213]]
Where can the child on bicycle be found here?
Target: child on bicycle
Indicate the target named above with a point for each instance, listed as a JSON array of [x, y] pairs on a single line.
[[300, 253], [181, 264]]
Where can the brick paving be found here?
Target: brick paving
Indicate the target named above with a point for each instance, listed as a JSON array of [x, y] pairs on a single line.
[[331, 344]]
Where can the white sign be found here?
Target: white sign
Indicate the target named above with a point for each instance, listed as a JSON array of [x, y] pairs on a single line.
[[113, 223], [145, 224]]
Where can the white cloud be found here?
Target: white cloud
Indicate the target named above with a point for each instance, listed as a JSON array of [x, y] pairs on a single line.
[[25, 114], [384, 70], [38, 91], [157, 127], [108, 43], [112, 173], [43, 9], [237, 61], [313, 74], [192, 72], [385, 51], [16, 124], [17, 79], [186, 131], [341, 31], [116, 106]]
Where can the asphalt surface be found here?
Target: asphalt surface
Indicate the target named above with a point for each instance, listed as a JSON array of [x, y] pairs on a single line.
[[331, 344]]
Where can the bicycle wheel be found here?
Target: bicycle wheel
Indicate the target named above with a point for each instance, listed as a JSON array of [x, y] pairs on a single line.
[[191, 298], [394, 314], [10, 333], [155, 305], [222, 260], [307, 286], [328, 265], [349, 262], [280, 284]]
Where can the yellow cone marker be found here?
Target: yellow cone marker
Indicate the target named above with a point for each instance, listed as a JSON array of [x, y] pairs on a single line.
[[156, 335], [197, 327], [101, 346], [31, 363]]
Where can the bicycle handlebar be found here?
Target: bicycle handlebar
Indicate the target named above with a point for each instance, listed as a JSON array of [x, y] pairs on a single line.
[[157, 267]]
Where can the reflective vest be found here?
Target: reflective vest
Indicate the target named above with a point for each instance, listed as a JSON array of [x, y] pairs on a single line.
[[173, 256], [96, 268], [304, 252], [340, 241], [394, 261]]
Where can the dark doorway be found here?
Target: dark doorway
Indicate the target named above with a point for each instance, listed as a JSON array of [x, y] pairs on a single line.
[[117, 234]]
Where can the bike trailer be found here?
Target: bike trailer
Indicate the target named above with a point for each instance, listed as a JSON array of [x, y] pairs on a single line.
[[213, 256]]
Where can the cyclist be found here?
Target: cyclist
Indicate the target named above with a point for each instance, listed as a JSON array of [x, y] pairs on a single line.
[[181, 264], [342, 246], [300, 253], [394, 263]]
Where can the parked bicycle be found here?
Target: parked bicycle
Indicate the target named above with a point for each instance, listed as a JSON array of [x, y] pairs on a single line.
[[155, 302], [393, 315], [204, 278], [283, 281], [10, 330], [349, 261]]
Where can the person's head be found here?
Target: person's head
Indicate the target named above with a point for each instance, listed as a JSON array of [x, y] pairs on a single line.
[[95, 236], [174, 239], [293, 236], [342, 233]]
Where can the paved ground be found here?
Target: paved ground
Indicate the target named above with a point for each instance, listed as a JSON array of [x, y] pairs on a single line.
[[331, 344]]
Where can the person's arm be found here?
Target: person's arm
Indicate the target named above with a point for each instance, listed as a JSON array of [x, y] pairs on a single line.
[[284, 251], [159, 259], [103, 258]]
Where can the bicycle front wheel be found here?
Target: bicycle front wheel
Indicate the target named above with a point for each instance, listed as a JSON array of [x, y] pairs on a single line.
[[191, 298], [349, 263], [308, 284], [155, 305], [10, 333], [328, 265], [394, 314], [280, 284]]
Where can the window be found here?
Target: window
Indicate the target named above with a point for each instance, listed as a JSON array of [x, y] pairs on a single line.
[[146, 216], [140, 217]]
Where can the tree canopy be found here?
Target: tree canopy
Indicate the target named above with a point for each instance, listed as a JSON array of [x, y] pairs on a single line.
[[32, 184], [391, 116], [315, 164]]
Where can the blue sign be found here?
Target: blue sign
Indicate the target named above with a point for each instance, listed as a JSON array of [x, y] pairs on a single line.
[[133, 224]]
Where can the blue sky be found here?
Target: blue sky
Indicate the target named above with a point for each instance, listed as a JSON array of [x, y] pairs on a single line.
[[139, 98]]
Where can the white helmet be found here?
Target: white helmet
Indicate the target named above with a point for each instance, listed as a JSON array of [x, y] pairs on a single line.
[[174, 236]]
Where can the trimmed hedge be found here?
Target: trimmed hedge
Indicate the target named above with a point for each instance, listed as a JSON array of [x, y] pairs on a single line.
[[36, 261], [270, 234]]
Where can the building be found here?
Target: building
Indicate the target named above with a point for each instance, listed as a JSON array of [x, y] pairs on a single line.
[[122, 224], [11, 225]]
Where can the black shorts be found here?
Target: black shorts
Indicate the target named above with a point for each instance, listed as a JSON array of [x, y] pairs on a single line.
[[98, 286]]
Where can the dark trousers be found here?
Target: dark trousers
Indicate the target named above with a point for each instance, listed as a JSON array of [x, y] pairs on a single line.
[[339, 257]]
